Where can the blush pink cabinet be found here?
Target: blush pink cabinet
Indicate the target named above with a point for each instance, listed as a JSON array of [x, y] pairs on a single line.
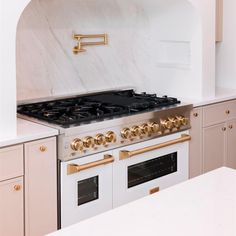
[[11, 207], [219, 20], [28, 188], [213, 137], [195, 146], [231, 144], [40, 187], [11, 191]]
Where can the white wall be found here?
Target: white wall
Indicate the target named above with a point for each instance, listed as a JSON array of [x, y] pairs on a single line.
[[9, 16], [226, 50], [8, 22], [154, 46], [207, 11]]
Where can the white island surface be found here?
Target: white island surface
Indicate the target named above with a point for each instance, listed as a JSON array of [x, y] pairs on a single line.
[[203, 206]]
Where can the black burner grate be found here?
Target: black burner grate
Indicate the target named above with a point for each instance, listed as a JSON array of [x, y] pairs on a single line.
[[85, 109]]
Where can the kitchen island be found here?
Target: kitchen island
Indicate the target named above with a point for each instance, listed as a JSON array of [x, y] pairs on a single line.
[[205, 205]]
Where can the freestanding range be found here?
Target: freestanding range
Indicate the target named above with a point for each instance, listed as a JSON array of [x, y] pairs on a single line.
[[114, 147]]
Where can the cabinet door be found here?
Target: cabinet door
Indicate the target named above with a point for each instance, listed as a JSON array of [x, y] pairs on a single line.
[[231, 144], [195, 145], [214, 147], [219, 20], [11, 207], [40, 187]]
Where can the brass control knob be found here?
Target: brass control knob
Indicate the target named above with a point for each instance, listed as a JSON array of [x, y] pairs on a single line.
[[154, 126], [176, 123], [77, 145], [166, 124], [88, 142], [125, 133], [145, 129], [182, 119], [100, 139], [135, 131], [110, 137]]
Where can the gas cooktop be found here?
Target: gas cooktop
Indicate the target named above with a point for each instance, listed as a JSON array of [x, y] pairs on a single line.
[[86, 109]]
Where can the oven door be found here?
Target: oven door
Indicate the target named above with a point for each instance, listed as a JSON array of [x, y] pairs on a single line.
[[86, 187], [147, 167]]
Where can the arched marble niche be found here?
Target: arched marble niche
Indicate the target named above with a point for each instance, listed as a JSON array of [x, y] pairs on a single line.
[[154, 46]]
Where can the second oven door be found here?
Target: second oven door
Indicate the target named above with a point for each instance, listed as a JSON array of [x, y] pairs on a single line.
[[86, 187], [138, 175]]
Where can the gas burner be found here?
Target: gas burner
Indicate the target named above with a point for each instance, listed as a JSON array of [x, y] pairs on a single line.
[[90, 108]]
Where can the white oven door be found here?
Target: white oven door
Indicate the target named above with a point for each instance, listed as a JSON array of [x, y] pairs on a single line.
[[147, 167], [86, 187]]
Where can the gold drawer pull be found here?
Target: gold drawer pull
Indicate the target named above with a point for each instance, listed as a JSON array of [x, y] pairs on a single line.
[[73, 168], [43, 148], [230, 126], [17, 187], [154, 190], [195, 114], [224, 128], [127, 154], [227, 112]]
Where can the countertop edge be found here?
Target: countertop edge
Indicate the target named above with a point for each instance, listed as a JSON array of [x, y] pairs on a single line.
[[28, 131]]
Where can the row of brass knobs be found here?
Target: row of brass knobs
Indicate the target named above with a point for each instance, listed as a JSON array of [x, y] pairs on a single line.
[[154, 127], [90, 142]]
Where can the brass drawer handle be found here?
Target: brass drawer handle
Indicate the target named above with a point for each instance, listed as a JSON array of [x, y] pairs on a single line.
[[224, 128], [43, 148], [227, 112], [73, 168], [127, 154], [17, 187], [230, 126], [195, 114], [154, 190]]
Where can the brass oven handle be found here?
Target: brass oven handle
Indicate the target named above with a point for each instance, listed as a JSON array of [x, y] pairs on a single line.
[[127, 154], [73, 168]]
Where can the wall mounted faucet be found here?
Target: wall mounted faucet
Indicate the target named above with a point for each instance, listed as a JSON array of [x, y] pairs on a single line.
[[81, 44]]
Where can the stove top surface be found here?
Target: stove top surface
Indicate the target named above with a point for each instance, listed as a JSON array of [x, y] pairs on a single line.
[[88, 108]]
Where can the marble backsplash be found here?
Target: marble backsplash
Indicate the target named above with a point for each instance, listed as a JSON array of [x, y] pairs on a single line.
[[153, 46]]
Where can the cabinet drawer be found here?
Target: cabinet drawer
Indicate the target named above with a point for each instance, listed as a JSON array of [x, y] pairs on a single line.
[[232, 109], [217, 113], [11, 162]]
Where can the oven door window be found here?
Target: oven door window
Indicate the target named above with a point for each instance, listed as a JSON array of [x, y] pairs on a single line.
[[87, 190], [152, 169]]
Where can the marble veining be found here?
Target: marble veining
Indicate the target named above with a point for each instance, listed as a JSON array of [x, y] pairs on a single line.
[[151, 47]]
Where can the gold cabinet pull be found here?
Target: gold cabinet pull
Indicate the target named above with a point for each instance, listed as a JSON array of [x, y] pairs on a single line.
[[124, 154], [224, 128], [195, 114], [227, 112], [154, 190], [73, 168], [230, 126], [43, 148], [17, 187]]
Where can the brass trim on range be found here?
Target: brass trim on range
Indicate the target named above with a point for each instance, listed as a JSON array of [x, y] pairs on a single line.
[[79, 48], [154, 190], [124, 154], [73, 168]]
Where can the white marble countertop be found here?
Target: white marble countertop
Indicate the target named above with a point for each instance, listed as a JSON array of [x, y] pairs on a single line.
[[221, 95], [28, 131], [205, 205]]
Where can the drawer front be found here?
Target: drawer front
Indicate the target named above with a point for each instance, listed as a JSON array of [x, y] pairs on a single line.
[[11, 162], [232, 109], [217, 113]]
